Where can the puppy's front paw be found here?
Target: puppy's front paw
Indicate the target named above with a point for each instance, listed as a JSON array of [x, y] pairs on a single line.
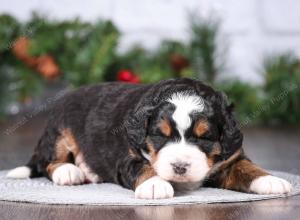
[[154, 188], [67, 174], [270, 185]]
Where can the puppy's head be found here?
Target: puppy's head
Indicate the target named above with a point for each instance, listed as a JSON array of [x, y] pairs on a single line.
[[185, 135]]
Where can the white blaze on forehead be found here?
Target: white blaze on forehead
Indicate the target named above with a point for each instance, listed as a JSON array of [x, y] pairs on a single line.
[[185, 104]]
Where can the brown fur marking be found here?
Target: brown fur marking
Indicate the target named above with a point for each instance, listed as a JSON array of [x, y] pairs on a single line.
[[200, 128], [240, 175], [215, 152], [152, 152], [146, 173], [165, 127], [65, 145]]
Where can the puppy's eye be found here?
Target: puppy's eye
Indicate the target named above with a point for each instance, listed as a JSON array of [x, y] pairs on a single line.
[[208, 136], [163, 134], [158, 141], [205, 138]]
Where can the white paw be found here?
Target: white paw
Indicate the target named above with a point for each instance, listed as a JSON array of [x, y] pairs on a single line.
[[67, 174], [270, 185], [154, 188], [19, 173]]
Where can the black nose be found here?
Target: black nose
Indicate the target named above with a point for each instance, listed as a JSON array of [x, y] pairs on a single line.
[[180, 168]]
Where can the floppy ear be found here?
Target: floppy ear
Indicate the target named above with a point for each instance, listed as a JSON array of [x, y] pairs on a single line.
[[137, 126], [231, 138]]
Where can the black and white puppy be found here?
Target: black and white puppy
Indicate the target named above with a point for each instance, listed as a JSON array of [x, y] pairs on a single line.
[[175, 134]]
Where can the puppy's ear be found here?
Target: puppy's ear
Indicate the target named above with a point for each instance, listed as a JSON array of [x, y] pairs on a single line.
[[231, 138], [137, 126]]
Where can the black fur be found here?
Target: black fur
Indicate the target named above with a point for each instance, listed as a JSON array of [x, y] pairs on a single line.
[[110, 118]]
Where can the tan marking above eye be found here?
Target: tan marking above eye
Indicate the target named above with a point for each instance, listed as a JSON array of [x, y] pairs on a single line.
[[200, 128], [165, 127]]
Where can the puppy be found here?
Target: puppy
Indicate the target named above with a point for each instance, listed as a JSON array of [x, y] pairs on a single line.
[[175, 134]]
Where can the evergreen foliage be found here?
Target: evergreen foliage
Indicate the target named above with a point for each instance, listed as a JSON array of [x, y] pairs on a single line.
[[86, 53]]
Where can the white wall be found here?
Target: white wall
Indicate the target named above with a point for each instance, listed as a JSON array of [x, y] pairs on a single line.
[[253, 28]]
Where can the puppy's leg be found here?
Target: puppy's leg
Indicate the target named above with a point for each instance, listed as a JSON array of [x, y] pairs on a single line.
[[61, 170], [150, 186], [245, 176], [141, 177]]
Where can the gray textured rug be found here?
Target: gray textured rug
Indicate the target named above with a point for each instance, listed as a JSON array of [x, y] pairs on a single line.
[[41, 190]]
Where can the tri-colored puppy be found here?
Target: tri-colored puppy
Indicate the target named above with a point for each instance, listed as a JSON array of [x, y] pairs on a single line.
[[175, 134]]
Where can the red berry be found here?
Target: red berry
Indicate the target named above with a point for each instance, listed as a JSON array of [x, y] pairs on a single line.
[[124, 75], [127, 76]]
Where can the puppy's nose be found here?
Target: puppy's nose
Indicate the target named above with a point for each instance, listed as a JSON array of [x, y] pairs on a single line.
[[180, 168]]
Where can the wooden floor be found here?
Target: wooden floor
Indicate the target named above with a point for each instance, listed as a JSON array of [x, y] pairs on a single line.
[[277, 149]]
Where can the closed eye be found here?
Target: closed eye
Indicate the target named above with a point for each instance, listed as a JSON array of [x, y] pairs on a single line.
[[209, 136], [158, 141]]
